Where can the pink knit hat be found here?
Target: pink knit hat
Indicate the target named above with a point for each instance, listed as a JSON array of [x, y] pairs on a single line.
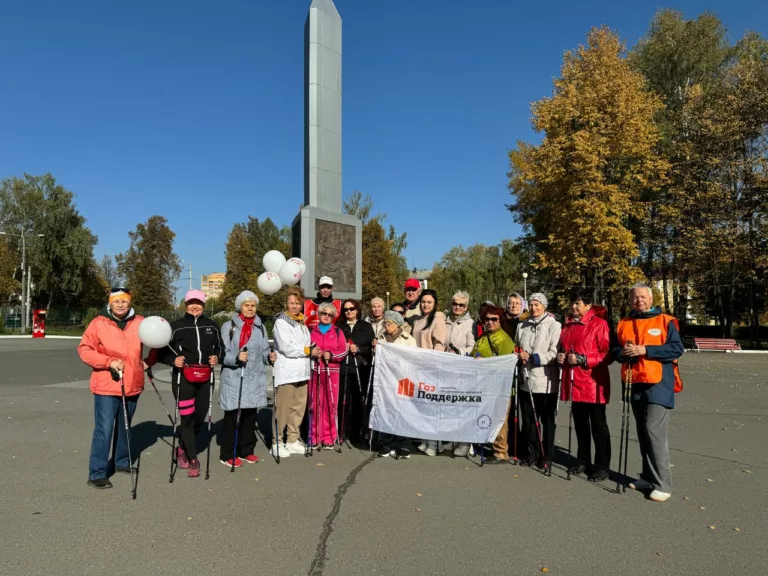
[[194, 295]]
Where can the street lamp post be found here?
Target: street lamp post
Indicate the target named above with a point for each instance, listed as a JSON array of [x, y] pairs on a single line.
[[525, 286], [25, 292]]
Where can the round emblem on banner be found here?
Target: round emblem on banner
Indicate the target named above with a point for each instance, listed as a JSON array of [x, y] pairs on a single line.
[[484, 422], [654, 332]]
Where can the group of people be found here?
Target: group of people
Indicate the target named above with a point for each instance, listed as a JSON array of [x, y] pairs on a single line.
[[322, 342]]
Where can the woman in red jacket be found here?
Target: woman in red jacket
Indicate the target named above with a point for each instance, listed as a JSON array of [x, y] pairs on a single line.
[[111, 343], [584, 355]]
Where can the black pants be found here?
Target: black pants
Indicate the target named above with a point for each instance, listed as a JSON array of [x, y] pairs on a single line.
[[389, 442], [246, 435], [193, 411], [528, 443], [355, 421], [591, 424]]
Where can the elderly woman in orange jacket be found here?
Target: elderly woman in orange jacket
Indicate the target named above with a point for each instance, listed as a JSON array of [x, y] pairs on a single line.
[[110, 345]]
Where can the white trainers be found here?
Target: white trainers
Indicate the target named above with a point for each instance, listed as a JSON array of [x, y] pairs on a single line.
[[295, 447], [279, 450], [461, 450], [422, 447], [641, 484], [431, 448], [659, 496]]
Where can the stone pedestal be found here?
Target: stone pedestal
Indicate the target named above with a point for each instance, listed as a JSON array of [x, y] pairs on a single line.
[[330, 244]]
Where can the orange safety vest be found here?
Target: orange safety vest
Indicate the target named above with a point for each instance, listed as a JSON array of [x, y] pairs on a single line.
[[647, 332]]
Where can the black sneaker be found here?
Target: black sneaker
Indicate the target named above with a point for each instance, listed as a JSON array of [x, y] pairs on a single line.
[[100, 483], [577, 469], [403, 454], [599, 475], [386, 453], [495, 459]]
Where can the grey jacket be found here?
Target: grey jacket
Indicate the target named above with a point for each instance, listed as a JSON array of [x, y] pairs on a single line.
[[539, 337], [255, 373]]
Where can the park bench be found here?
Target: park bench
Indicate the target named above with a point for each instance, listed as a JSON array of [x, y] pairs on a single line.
[[716, 344]]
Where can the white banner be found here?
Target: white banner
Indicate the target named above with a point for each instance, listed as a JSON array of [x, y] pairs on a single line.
[[432, 395]]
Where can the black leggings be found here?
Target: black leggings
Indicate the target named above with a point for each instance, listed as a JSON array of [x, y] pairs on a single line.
[[590, 423], [528, 444], [193, 412], [356, 418]]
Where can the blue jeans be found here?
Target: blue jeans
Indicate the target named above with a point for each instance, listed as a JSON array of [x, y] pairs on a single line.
[[108, 411]]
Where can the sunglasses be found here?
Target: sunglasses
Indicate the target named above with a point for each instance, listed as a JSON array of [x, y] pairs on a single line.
[[349, 309], [458, 305], [490, 319], [325, 314]]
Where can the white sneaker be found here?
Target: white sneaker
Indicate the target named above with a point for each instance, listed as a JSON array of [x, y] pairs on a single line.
[[441, 447], [431, 448], [461, 450], [640, 484], [422, 447], [658, 496], [295, 447], [279, 450]]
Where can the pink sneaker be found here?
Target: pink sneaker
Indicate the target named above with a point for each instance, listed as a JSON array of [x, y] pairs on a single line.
[[238, 462], [194, 468], [251, 459], [181, 458]]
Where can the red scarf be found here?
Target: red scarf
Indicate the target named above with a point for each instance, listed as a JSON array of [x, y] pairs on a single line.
[[245, 333]]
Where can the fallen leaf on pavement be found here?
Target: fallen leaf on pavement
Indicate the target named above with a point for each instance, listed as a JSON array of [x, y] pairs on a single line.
[[418, 509], [712, 527], [320, 464], [418, 493]]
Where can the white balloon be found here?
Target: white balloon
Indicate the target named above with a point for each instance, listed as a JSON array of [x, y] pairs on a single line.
[[273, 261], [290, 273], [155, 332], [269, 283], [300, 262]]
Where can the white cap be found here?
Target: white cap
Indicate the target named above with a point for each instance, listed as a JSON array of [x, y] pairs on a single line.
[[325, 280]]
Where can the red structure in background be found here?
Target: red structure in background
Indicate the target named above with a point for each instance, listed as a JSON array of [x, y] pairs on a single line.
[[38, 323]]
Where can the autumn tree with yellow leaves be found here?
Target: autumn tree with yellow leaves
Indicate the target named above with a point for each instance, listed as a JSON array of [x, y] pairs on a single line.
[[578, 193]]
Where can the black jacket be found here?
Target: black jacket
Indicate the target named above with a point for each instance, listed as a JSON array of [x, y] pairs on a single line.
[[198, 337], [362, 335]]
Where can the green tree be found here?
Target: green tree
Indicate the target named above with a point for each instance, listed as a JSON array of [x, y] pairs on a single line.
[[108, 271], [150, 265], [577, 191], [242, 266], [8, 264], [59, 259], [384, 266]]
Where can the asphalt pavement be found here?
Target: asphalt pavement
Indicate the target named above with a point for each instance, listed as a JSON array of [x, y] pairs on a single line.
[[352, 513]]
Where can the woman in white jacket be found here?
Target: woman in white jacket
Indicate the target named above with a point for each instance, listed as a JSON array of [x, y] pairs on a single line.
[[537, 337], [291, 370], [459, 340]]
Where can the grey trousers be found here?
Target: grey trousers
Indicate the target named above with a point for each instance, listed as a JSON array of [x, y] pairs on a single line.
[[651, 421]]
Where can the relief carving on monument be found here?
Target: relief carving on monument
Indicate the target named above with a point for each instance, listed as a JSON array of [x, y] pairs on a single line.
[[335, 254]]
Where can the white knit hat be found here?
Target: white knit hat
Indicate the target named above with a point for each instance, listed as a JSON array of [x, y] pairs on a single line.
[[245, 296]]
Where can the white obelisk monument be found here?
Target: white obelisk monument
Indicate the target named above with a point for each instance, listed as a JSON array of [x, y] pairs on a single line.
[[329, 242]]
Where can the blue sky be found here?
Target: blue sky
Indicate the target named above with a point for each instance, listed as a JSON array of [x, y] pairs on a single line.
[[193, 109]]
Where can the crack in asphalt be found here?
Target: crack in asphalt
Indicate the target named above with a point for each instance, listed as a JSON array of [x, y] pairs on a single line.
[[321, 553]]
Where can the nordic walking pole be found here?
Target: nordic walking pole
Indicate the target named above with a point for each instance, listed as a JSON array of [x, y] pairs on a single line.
[[624, 420], [535, 416], [554, 431], [127, 433], [360, 386], [515, 459], [210, 414], [174, 460], [344, 402], [308, 451], [628, 401], [368, 393], [152, 381], [237, 420], [274, 412], [334, 414], [570, 419]]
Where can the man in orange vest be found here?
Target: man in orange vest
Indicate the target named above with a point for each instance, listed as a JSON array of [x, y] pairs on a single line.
[[650, 341], [324, 294]]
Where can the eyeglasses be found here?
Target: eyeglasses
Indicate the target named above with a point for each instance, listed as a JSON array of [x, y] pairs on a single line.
[[489, 319], [349, 309], [458, 305], [325, 314]]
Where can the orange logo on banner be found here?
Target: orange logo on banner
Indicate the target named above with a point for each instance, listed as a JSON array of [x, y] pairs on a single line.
[[405, 387]]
